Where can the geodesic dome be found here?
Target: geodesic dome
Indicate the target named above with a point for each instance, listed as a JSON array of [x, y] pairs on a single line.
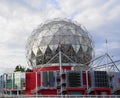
[[68, 37]]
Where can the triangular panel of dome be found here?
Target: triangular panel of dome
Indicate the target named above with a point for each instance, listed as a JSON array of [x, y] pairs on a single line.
[[54, 40], [59, 25], [62, 31], [68, 32], [32, 55], [39, 39], [78, 33], [74, 40], [35, 49], [67, 27], [45, 40], [73, 31], [84, 48], [34, 62], [87, 41], [80, 39], [53, 47], [47, 33], [76, 48], [43, 48], [89, 51], [77, 41], [39, 52], [55, 26], [67, 40], [29, 54], [59, 32], [43, 32], [83, 40], [53, 31]]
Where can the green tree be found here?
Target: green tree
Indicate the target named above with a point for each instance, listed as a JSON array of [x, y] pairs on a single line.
[[19, 68], [22, 69], [29, 70]]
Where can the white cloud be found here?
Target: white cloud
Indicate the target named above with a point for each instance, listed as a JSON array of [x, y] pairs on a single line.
[[95, 17], [17, 23], [72, 6], [19, 18]]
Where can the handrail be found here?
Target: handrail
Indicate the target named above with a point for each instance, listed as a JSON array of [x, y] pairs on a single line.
[[60, 96]]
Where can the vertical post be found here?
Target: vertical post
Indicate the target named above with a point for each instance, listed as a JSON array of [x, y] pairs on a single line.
[[17, 92], [20, 83], [5, 81], [41, 75], [2, 84], [60, 65], [87, 79], [36, 86], [106, 55], [60, 62], [18, 88], [12, 80]]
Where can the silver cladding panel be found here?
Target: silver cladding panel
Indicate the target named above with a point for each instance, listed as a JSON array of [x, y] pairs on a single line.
[[73, 40]]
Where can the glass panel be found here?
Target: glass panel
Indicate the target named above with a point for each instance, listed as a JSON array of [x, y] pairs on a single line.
[[39, 53], [74, 79], [54, 40], [34, 62], [100, 79], [55, 26], [32, 55], [116, 80], [17, 83], [80, 39], [9, 80], [43, 49], [66, 39], [84, 48], [49, 79], [72, 40], [68, 32], [23, 81], [73, 31], [19, 80], [52, 31], [53, 47], [35, 49], [76, 48]]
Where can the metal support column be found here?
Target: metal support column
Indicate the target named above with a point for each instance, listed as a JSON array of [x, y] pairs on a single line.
[[60, 62], [87, 79], [36, 85]]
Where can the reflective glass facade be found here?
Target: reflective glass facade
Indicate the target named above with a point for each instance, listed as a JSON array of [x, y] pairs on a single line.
[[99, 79], [13, 81], [116, 80], [48, 79]]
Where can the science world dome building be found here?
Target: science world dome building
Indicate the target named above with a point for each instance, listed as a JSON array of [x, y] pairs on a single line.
[[60, 53], [68, 37]]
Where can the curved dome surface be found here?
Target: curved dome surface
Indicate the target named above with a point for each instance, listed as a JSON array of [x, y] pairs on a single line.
[[44, 44]]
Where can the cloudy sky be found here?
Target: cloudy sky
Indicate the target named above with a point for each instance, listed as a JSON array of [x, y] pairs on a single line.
[[19, 17]]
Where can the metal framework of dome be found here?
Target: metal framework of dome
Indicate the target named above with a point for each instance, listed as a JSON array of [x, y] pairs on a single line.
[[69, 37]]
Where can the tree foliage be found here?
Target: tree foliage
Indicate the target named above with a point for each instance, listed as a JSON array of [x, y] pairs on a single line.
[[29, 70], [22, 69]]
